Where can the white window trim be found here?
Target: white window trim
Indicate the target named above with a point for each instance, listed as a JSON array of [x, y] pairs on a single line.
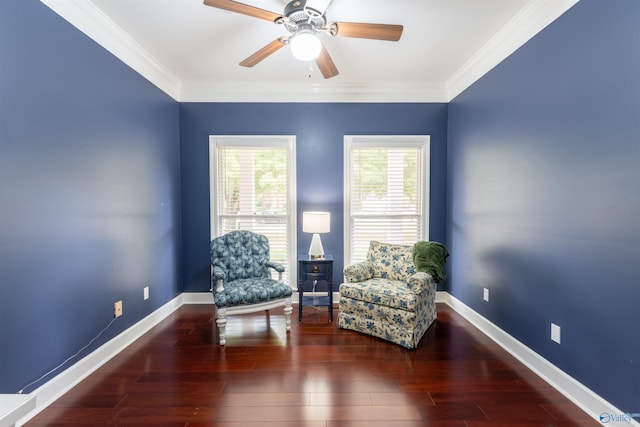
[[286, 141], [355, 141]]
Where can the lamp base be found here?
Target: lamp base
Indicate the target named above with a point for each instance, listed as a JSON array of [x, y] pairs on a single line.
[[316, 251]]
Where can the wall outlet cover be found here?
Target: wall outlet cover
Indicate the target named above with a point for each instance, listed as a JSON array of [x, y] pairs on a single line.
[[555, 333], [117, 309]]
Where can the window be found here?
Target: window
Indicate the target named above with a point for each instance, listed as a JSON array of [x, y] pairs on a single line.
[[253, 188], [386, 192]]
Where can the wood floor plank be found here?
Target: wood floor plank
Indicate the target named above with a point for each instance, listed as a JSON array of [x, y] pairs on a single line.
[[169, 398], [262, 424], [340, 399], [255, 414], [89, 400], [171, 414], [411, 423], [316, 376], [419, 399], [76, 416], [266, 399]]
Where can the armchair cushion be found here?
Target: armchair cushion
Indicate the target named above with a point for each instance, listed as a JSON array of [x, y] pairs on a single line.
[[251, 291], [386, 292], [390, 261], [241, 254]]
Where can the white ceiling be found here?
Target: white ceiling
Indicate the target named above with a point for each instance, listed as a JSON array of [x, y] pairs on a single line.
[[192, 51]]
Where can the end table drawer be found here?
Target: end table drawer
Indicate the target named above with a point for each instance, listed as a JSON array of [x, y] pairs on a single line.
[[315, 269]]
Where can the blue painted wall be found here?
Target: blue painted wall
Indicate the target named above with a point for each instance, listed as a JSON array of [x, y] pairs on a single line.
[[89, 193], [544, 197], [319, 129], [540, 167]]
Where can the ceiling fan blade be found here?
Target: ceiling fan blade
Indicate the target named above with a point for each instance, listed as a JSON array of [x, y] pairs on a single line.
[[269, 49], [244, 9], [367, 31], [325, 64]]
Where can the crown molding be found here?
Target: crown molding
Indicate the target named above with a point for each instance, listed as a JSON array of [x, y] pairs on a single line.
[[89, 19], [326, 92], [86, 17], [535, 16]]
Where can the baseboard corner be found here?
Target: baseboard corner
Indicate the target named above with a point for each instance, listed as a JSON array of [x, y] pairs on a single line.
[[583, 397]]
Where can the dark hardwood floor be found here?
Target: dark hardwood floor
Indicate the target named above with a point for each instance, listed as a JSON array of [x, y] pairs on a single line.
[[317, 376]]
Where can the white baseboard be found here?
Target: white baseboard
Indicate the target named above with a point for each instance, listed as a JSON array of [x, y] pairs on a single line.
[[197, 298], [14, 407], [67, 379], [580, 395]]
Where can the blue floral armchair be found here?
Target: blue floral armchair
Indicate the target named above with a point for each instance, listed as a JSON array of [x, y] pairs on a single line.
[[386, 297], [241, 278]]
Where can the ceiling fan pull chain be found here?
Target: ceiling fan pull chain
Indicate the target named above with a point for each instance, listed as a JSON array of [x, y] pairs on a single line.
[[310, 68]]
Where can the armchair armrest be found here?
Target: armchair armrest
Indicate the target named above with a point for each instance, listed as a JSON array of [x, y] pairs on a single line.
[[358, 272], [218, 277], [277, 267], [418, 282]]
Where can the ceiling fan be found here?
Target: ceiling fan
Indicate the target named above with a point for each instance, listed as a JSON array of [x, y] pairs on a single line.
[[304, 22]]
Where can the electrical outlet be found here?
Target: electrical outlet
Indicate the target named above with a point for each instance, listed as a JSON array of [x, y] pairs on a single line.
[[145, 293], [117, 308], [485, 294], [555, 333]]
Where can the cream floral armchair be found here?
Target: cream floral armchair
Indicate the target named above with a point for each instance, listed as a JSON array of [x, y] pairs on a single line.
[[386, 297]]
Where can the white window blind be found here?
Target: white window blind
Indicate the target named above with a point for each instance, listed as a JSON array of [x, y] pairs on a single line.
[[386, 191], [252, 188]]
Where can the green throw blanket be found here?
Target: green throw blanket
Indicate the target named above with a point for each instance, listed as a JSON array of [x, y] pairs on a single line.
[[430, 258]]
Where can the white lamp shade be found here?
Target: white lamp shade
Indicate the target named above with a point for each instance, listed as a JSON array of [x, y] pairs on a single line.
[[316, 222], [305, 46]]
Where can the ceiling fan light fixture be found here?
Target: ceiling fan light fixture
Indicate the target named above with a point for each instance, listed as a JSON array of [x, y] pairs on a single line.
[[305, 45], [304, 20]]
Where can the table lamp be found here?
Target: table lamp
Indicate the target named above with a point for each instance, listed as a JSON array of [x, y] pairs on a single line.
[[316, 223]]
